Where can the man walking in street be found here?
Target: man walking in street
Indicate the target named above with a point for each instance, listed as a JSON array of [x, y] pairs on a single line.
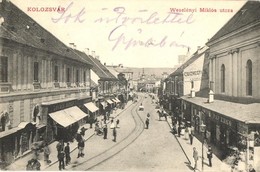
[[147, 122], [195, 158], [67, 153], [61, 156], [105, 131], [114, 134], [81, 145], [46, 153], [209, 156]]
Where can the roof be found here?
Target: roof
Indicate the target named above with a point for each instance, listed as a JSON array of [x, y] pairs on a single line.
[[22, 29], [101, 70], [248, 113], [247, 15], [194, 57]]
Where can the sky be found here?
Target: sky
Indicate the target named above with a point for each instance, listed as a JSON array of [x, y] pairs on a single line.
[[133, 33]]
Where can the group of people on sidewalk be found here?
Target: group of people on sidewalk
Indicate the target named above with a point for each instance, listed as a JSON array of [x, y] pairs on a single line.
[[63, 154]]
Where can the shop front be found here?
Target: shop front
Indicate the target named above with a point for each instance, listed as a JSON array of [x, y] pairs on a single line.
[[16, 142], [63, 119], [93, 111]]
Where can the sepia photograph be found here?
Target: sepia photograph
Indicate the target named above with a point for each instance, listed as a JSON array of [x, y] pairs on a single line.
[[130, 85]]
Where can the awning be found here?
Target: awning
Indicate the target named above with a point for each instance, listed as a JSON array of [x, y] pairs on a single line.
[[68, 116], [103, 104], [109, 101], [114, 100], [118, 101], [76, 113], [91, 106]]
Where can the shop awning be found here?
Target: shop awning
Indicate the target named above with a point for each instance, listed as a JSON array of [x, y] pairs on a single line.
[[118, 101], [62, 118], [110, 101], [68, 116], [91, 107], [76, 113], [114, 100], [103, 104]]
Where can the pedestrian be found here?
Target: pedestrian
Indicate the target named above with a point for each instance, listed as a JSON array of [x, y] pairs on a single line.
[[82, 131], [105, 131], [209, 156], [195, 157], [36, 165], [147, 123], [251, 168], [81, 145], [186, 133], [59, 146], [61, 156], [46, 153], [117, 123], [29, 166], [67, 153], [191, 134], [179, 131], [114, 134]]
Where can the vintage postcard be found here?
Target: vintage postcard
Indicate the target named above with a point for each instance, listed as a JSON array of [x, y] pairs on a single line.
[[146, 85]]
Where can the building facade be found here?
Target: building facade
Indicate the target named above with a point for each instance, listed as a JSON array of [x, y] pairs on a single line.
[[35, 68]]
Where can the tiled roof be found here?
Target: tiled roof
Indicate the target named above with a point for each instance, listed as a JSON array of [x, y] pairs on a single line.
[[101, 70], [247, 15], [20, 28], [241, 112]]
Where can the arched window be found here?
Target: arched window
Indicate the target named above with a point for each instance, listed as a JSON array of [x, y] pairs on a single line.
[[222, 78], [249, 78]]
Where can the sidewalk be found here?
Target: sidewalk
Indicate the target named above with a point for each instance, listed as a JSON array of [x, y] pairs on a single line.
[[217, 164], [20, 164]]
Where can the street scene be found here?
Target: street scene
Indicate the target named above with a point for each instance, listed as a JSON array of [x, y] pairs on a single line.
[[97, 86]]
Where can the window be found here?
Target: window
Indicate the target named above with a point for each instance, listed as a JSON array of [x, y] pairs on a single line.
[[84, 76], [249, 78], [77, 76], [4, 69], [222, 78], [68, 74], [36, 72], [192, 84], [56, 73]]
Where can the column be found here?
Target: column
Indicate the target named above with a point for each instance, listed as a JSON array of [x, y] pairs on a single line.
[[30, 71], [230, 79], [235, 74], [19, 74], [214, 74], [15, 71], [10, 69], [25, 67]]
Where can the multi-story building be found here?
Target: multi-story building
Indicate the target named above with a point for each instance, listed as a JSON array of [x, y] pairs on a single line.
[[232, 119], [40, 77]]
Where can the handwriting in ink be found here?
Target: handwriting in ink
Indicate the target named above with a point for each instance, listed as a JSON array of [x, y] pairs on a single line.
[[131, 42], [122, 18], [66, 16]]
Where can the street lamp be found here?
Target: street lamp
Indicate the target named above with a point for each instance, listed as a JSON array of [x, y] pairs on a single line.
[[202, 130]]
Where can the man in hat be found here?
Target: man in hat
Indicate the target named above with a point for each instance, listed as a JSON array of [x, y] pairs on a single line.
[[209, 156]]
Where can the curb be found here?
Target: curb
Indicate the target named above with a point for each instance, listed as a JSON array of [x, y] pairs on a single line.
[[179, 143], [54, 162]]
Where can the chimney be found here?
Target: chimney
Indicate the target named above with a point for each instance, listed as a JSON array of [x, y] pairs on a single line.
[[198, 47], [211, 96], [72, 45], [86, 51], [97, 57], [93, 54], [105, 64]]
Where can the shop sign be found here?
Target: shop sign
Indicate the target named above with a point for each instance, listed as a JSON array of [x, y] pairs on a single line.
[[192, 73], [221, 119], [61, 106], [242, 128]]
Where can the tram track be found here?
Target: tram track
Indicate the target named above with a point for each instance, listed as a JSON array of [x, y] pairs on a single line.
[[119, 146]]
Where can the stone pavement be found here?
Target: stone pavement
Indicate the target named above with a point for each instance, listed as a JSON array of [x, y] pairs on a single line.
[[217, 164], [20, 164]]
